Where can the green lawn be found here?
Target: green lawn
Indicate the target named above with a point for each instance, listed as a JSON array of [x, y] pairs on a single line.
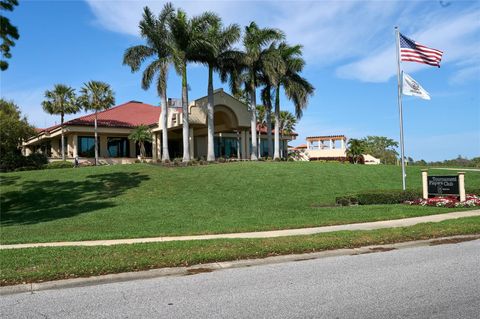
[[40, 264], [146, 200]]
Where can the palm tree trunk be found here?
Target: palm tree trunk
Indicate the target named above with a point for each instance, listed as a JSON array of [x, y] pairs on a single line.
[[253, 122], [277, 123], [186, 128], [269, 130], [164, 127], [142, 150], [210, 119], [63, 138], [96, 140]]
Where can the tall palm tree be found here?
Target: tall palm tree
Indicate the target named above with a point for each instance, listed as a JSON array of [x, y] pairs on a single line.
[[158, 51], [261, 120], [266, 95], [61, 100], [96, 96], [188, 40], [218, 57], [297, 88], [140, 135], [256, 59]]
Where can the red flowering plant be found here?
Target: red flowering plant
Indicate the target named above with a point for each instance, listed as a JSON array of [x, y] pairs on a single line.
[[447, 201]]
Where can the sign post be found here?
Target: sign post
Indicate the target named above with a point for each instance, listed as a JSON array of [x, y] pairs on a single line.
[[425, 183], [461, 184]]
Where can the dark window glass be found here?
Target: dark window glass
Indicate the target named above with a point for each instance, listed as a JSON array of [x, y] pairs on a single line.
[[118, 147], [226, 147], [86, 146]]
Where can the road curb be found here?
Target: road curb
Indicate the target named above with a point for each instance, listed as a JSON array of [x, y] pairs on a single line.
[[209, 267]]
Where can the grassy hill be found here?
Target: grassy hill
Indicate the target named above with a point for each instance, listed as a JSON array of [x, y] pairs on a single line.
[[145, 200]]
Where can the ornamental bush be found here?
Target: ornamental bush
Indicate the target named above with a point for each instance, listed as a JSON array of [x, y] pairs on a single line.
[[377, 197], [59, 164]]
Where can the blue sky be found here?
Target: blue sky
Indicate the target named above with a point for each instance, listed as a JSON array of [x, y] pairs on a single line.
[[348, 46]]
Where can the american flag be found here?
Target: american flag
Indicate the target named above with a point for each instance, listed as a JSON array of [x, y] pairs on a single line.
[[415, 52]]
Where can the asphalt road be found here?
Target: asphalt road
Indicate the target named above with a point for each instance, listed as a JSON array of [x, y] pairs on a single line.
[[424, 282]]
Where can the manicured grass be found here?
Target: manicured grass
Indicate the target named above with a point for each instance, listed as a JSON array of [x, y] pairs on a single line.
[[40, 264], [141, 200]]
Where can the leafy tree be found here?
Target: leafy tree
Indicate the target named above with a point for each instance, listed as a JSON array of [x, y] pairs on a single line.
[[218, 57], [381, 147], [8, 32], [14, 128], [297, 88], [188, 40], [355, 149], [60, 101], [140, 135], [158, 50], [96, 96]]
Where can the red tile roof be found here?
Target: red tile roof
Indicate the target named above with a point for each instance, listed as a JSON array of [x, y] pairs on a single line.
[[130, 114]]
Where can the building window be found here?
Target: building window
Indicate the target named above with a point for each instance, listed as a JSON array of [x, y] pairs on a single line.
[[86, 146], [118, 147], [226, 147]]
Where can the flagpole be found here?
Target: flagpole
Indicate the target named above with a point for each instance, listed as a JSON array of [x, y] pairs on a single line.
[[400, 109]]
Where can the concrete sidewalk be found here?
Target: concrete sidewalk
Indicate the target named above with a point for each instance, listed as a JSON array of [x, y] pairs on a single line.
[[264, 234]]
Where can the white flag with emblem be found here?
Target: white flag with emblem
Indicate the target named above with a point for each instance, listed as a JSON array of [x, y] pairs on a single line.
[[411, 87]]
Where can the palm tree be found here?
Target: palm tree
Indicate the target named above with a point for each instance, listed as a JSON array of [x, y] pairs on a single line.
[[218, 57], [96, 96], [296, 87], [355, 149], [287, 123], [140, 135], [261, 120], [188, 40], [61, 100], [266, 95], [159, 51], [257, 59]]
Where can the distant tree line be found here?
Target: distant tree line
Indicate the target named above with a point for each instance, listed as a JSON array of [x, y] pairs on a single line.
[[456, 162]]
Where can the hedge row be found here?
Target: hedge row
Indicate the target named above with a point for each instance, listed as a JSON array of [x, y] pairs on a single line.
[[378, 197], [386, 197]]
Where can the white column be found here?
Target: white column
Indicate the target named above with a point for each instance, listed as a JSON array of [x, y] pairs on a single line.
[[308, 145], [342, 144], [75, 146], [154, 147], [425, 183], [461, 186], [243, 149], [192, 141], [331, 144]]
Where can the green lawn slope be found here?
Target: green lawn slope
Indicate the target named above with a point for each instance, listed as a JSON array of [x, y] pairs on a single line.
[[142, 200]]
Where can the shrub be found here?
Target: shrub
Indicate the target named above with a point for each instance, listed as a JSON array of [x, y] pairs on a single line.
[[59, 164], [378, 197]]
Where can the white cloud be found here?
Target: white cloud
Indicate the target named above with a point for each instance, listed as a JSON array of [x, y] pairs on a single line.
[[455, 35], [328, 30], [333, 32]]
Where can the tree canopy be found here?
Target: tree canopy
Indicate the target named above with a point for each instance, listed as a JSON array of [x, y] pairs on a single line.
[[8, 32]]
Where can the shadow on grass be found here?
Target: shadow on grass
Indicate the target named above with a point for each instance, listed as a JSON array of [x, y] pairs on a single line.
[[7, 180], [44, 201]]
